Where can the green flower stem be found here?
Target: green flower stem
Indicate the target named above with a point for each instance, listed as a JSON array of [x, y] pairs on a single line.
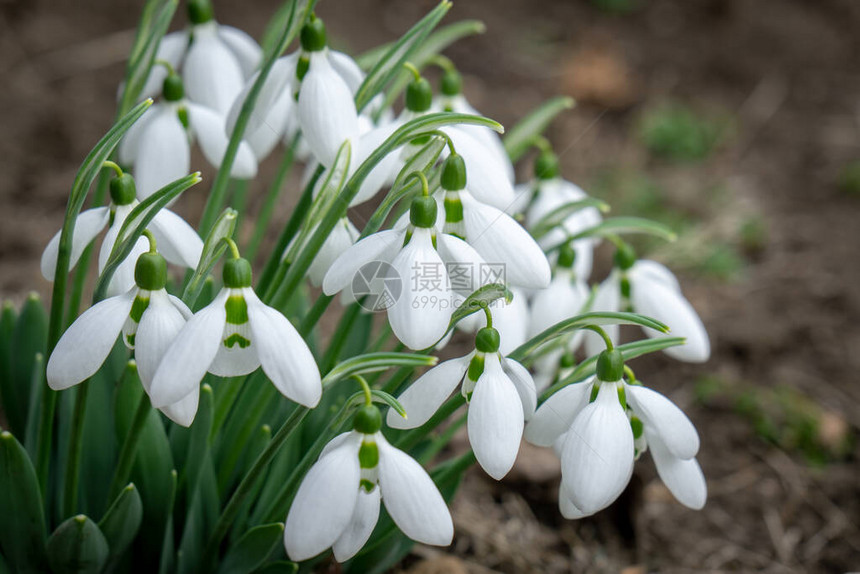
[[271, 200], [129, 447], [73, 460], [442, 440], [239, 199], [246, 486], [606, 340], [274, 264], [313, 316]]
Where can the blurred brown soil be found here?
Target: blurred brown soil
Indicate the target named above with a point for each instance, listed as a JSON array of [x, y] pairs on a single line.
[[785, 69]]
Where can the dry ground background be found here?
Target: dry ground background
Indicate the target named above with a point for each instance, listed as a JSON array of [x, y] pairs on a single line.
[[772, 268]]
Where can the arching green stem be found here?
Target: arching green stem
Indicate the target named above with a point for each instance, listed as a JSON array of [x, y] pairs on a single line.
[[603, 335]]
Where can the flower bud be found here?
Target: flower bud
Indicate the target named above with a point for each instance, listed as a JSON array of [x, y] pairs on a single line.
[[237, 273], [313, 37], [452, 83], [419, 95], [625, 257], [566, 256], [122, 189], [487, 340], [454, 173], [367, 420], [546, 166], [199, 11], [150, 271], [172, 89], [422, 212], [610, 366]]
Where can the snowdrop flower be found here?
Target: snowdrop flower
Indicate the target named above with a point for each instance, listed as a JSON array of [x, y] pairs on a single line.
[[147, 318], [501, 397], [451, 99], [158, 147], [177, 240], [420, 257], [493, 233], [342, 237], [597, 435], [337, 504], [652, 290], [215, 59], [233, 336], [510, 319]]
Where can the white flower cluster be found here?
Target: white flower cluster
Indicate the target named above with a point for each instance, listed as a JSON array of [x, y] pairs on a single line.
[[464, 223]]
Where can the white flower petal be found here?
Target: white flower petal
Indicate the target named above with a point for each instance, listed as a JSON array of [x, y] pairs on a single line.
[[511, 320], [384, 170], [183, 411], [278, 85], [264, 140], [176, 240], [360, 526], [495, 419], [500, 239], [597, 459], [341, 238], [211, 73], [171, 49], [607, 298], [486, 177], [424, 397], [556, 415], [87, 342], [674, 427], [190, 355], [326, 110], [244, 48], [461, 259], [208, 128], [235, 360], [129, 145], [164, 154], [123, 275], [324, 503], [411, 497], [683, 478], [346, 68], [421, 314], [654, 271], [283, 353], [564, 298], [381, 246], [568, 508], [664, 303], [87, 226], [159, 326], [489, 138], [524, 384]]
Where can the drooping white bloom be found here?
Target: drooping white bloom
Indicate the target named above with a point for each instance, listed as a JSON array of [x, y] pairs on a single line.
[[511, 320], [233, 336], [421, 259], [159, 149], [501, 398], [177, 240], [597, 444], [147, 319], [654, 292], [342, 237], [337, 504]]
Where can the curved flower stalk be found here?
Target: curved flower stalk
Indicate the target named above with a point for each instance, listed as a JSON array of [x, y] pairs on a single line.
[[501, 396], [337, 504], [232, 336], [158, 145], [215, 59], [601, 425], [147, 318], [510, 319], [421, 258], [651, 289], [178, 241], [490, 231], [451, 99]]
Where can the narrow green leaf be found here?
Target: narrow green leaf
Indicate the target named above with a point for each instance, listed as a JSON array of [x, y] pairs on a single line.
[[37, 388], [252, 549], [581, 321], [28, 340], [279, 567], [77, 546], [198, 445], [390, 63], [435, 44], [386, 398], [520, 137], [284, 25], [121, 523], [628, 350], [22, 522], [136, 222], [626, 225], [167, 557], [555, 217], [213, 248], [479, 299], [151, 30], [372, 362]]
